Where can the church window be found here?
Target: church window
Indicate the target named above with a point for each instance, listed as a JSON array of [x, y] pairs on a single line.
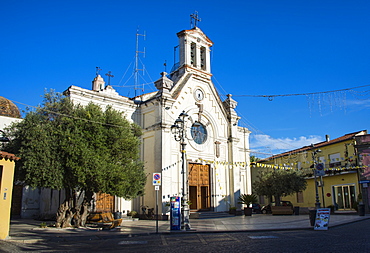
[[193, 55], [203, 58], [199, 133]]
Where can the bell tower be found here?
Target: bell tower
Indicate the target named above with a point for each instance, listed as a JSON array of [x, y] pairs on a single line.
[[194, 50]]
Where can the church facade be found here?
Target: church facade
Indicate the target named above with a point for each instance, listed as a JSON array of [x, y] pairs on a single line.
[[217, 149]]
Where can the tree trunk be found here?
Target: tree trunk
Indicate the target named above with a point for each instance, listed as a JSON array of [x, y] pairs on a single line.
[[64, 213], [71, 210], [87, 205], [83, 209], [277, 200]]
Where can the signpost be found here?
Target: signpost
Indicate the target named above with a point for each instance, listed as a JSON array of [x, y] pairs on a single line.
[[157, 182]]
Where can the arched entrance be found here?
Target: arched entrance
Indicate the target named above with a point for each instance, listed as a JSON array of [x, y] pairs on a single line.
[[199, 187]]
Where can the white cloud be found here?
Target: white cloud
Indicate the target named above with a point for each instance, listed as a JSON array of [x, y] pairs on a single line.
[[359, 102], [279, 145]]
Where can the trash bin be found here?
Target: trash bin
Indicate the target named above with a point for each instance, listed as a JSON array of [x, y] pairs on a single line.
[[312, 215], [361, 209], [296, 210]]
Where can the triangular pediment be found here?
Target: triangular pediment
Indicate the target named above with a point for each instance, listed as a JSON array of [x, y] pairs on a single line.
[[198, 33]]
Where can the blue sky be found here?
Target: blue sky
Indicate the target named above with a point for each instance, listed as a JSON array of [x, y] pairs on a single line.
[[260, 48]]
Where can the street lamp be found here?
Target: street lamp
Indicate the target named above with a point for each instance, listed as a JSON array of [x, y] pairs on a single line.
[[178, 129], [3, 137], [314, 153]]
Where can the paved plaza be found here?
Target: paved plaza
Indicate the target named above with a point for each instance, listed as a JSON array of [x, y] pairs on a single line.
[[29, 231]]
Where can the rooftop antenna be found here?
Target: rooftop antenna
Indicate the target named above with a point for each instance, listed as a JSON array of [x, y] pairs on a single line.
[[109, 74], [136, 71], [194, 18], [97, 70]]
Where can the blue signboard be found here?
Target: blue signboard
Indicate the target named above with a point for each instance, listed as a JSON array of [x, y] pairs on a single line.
[[320, 170], [175, 213]]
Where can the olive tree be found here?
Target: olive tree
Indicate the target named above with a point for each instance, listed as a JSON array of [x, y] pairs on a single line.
[[279, 183], [81, 149]]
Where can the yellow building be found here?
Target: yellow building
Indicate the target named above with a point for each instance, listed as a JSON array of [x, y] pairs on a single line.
[[337, 168], [6, 186]]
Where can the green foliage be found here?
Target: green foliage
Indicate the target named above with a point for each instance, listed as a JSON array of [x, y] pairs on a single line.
[[279, 183], [247, 199], [254, 159], [81, 148], [133, 214]]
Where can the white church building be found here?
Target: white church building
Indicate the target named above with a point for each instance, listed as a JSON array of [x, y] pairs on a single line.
[[217, 149]]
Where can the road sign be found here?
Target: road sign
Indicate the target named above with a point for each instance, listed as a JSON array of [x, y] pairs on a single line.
[[157, 179], [320, 170]]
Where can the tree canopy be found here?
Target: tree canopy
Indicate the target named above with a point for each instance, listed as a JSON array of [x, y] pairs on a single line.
[[279, 183], [78, 148]]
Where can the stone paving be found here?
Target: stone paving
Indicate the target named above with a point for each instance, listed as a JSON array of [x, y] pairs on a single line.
[[29, 231]]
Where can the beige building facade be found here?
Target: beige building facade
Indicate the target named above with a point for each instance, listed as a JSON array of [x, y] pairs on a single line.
[[217, 149]]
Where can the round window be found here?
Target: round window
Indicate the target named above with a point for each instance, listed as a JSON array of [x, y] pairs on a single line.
[[199, 133]]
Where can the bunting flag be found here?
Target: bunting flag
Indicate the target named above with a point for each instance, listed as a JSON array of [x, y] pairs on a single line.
[[172, 165], [200, 160], [280, 166]]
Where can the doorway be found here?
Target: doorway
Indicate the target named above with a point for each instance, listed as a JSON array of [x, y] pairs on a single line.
[[344, 196], [104, 203], [199, 188]]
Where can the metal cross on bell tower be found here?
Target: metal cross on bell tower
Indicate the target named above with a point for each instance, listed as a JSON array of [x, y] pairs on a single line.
[[98, 70], [109, 74], [194, 18]]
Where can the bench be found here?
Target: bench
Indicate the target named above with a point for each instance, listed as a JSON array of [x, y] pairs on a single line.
[[282, 210], [104, 219]]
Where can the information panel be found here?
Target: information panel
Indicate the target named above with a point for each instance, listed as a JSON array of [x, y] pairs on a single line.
[[322, 219], [175, 213]]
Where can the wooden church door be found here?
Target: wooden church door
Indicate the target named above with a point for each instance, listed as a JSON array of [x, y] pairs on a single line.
[[199, 188], [104, 203]]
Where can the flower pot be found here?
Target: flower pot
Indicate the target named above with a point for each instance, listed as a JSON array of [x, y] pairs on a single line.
[[248, 211]]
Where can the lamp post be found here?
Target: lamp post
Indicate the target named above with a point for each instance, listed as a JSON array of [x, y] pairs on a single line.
[[314, 153], [178, 129], [3, 139]]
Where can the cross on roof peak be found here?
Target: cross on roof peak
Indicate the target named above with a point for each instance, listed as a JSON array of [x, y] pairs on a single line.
[[194, 18]]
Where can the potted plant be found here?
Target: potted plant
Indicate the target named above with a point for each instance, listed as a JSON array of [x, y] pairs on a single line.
[[232, 210], [247, 200]]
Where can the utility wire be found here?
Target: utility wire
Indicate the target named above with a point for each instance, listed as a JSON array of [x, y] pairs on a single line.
[[301, 94]]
